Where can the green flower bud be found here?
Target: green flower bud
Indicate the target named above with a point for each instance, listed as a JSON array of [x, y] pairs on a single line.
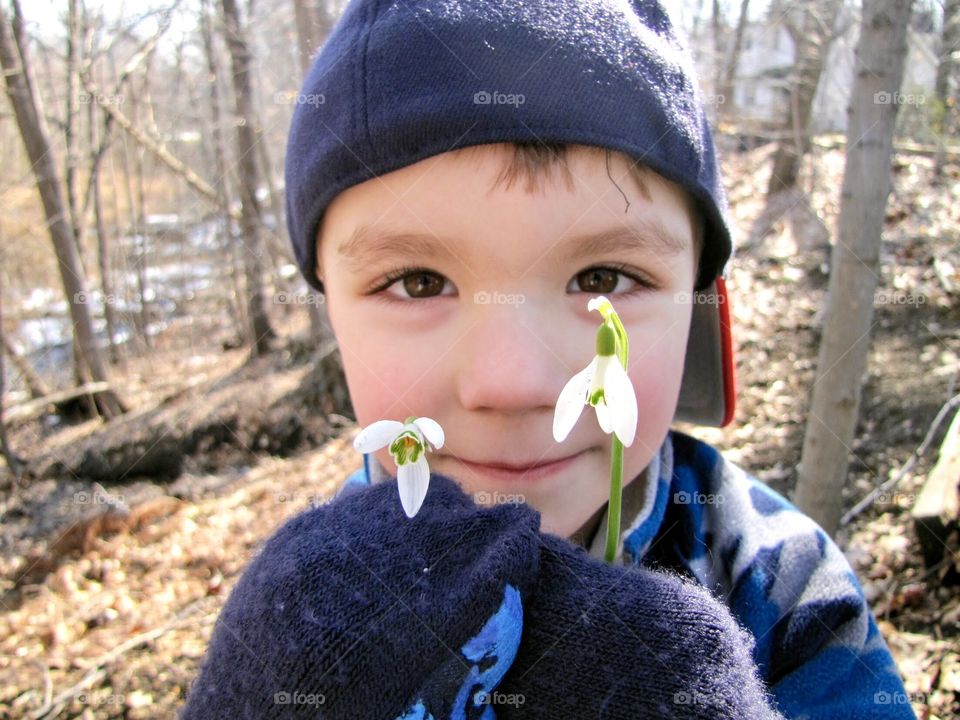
[[606, 340]]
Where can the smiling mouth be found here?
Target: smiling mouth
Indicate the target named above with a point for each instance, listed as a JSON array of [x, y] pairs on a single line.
[[531, 471]]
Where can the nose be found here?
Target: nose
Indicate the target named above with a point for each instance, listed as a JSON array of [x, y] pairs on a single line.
[[512, 360]]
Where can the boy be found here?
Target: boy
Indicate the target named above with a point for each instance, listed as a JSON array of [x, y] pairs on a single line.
[[461, 178]]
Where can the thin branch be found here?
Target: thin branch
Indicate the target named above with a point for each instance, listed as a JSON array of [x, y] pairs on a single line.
[[907, 466], [154, 146]]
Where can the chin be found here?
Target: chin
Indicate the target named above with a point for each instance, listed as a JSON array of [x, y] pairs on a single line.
[[564, 514], [563, 527]]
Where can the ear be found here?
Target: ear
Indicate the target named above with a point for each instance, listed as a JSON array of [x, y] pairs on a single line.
[[319, 267]]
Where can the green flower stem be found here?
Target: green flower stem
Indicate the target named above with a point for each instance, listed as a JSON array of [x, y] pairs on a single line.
[[616, 456], [611, 318], [616, 492]]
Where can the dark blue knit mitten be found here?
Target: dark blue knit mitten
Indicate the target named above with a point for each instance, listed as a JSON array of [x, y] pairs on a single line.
[[353, 610], [624, 642]]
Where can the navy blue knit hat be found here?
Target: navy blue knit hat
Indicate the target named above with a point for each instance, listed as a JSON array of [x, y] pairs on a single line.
[[397, 82]]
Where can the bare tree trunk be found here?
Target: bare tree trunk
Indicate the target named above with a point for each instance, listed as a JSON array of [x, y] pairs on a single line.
[[314, 22], [277, 244], [115, 183], [71, 126], [308, 38], [315, 19], [306, 42], [277, 239], [812, 41], [106, 281], [834, 410], [327, 13], [133, 319], [946, 69], [141, 224], [133, 228], [734, 59], [220, 181], [949, 48], [97, 151], [238, 270], [717, 21], [81, 377], [13, 461], [251, 216], [33, 132]]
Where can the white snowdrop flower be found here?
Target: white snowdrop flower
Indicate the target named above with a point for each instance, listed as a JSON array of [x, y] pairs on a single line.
[[409, 442], [603, 383]]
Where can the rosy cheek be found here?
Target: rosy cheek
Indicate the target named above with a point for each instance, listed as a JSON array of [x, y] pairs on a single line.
[[656, 379], [655, 387], [364, 366], [377, 391], [386, 379]]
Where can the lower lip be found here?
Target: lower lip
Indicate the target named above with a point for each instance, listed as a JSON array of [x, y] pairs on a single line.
[[532, 474]]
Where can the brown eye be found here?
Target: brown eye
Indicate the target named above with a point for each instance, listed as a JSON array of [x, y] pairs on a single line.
[[598, 280], [413, 283], [423, 284]]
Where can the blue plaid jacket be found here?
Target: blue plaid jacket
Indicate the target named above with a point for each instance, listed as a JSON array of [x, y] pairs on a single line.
[[817, 647]]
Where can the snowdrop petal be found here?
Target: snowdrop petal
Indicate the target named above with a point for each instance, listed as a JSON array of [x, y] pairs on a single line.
[[378, 435], [603, 417], [622, 400], [413, 479], [597, 302], [431, 431], [571, 401]]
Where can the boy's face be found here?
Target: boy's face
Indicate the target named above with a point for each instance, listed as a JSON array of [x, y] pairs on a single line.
[[490, 320]]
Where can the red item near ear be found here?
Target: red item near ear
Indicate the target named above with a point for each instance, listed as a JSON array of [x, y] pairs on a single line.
[[726, 344]]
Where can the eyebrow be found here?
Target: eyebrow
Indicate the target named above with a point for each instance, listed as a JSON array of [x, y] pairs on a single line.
[[367, 245]]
